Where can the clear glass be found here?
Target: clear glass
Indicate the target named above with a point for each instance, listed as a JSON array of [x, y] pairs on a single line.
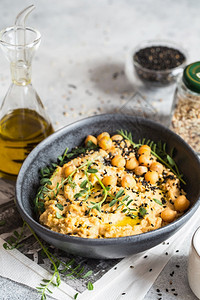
[[185, 115], [156, 78], [23, 120]]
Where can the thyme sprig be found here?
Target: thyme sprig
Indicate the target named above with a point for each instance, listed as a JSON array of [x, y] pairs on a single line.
[[48, 171], [44, 191], [76, 152], [68, 269], [14, 241], [86, 185], [115, 199], [98, 205], [123, 202], [158, 150]]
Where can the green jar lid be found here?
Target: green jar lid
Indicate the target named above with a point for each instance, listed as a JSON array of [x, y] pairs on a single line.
[[191, 77]]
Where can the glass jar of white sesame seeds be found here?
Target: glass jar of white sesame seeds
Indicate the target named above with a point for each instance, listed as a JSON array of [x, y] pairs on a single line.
[[185, 113]]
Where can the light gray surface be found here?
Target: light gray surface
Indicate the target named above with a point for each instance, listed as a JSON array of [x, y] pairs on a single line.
[[84, 43]]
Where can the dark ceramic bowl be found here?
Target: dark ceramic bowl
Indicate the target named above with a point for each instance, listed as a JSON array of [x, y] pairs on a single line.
[[71, 136]]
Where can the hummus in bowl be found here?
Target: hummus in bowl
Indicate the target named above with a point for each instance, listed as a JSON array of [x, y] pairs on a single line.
[[112, 188]]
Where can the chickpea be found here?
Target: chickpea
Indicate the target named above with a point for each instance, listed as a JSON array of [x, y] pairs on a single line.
[[69, 170], [113, 151], [90, 138], [168, 215], [127, 143], [102, 135], [144, 149], [109, 180], [105, 142], [145, 160], [181, 203], [132, 163], [128, 181], [118, 161], [116, 137], [151, 177], [156, 166], [140, 170]]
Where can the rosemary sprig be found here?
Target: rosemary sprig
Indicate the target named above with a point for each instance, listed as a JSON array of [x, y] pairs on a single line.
[[158, 150]]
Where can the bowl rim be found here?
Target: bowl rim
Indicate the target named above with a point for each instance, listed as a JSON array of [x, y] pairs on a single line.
[[104, 241], [155, 42]]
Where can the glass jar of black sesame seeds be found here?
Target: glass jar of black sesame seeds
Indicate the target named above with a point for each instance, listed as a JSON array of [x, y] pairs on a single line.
[[185, 114], [158, 63]]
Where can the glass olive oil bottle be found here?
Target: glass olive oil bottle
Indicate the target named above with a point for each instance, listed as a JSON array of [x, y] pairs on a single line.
[[23, 120], [20, 131]]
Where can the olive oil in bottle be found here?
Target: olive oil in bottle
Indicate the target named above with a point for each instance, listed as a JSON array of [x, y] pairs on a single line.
[[20, 131], [23, 120]]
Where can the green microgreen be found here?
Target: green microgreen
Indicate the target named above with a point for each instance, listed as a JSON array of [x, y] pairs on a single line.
[[14, 241], [90, 286], [58, 216], [157, 201], [142, 211], [84, 184], [59, 206], [92, 170]]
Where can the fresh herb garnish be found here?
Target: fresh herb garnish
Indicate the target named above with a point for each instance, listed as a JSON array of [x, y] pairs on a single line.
[[89, 273], [58, 267], [91, 145], [90, 286], [84, 184], [75, 296], [92, 171], [142, 211], [14, 241], [157, 201], [44, 191], [2, 222], [59, 206], [58, 216], [158, 150]]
